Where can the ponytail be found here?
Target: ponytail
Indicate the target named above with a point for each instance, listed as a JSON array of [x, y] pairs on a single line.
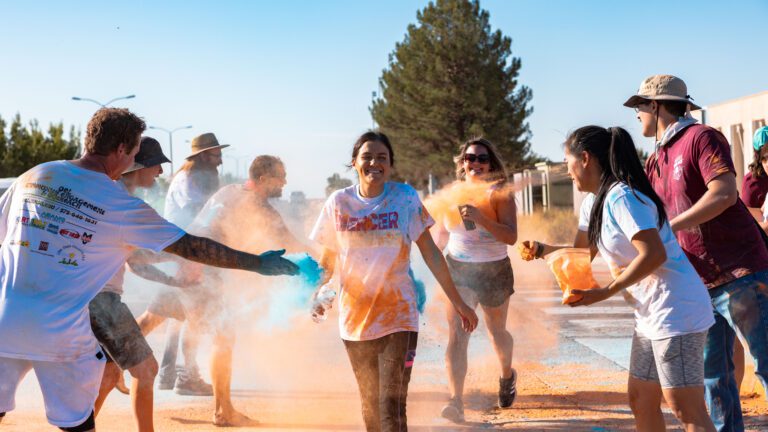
[[616, 154]]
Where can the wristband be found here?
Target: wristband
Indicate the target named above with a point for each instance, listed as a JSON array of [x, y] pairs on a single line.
[[539, 250]]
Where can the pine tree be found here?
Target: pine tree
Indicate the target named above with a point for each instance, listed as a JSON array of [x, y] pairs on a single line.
[[23, 147], [449, 80]]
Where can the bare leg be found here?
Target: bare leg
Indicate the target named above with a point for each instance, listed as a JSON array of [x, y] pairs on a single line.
[[456, 354], [108, 380], [225, 413], [503, 343], [688, 405], [142, 394], [148, 322], [645, 401]]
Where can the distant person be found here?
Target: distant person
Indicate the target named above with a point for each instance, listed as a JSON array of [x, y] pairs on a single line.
[[692, 172], [240, 216], [53, 268], [113, 323], [481, 270], [188, 192], [624, 219], [367, 230]]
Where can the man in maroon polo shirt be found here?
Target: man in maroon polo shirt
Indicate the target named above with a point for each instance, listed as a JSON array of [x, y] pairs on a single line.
[[693, 173]]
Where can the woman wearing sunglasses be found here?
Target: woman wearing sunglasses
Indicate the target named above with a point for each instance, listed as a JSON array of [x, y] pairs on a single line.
[[479, 264], [366, 232]]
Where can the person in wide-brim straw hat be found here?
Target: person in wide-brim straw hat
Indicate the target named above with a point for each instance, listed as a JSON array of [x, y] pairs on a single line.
[[205, 142], [693, 173]]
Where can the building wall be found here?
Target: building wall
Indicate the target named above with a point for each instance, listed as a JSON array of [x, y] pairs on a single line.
[[738, 120]]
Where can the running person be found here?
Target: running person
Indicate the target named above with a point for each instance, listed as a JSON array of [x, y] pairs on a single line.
[[52, 267], [481, 269], [368, 230], [625, 221]]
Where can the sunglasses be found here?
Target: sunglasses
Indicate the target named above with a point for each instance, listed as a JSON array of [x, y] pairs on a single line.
[[472, 158]]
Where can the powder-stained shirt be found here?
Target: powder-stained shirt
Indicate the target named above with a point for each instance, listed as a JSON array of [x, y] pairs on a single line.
[[726, 247], [754, 189], [65, 232], [372, 237], [185, 197], [672, 300]]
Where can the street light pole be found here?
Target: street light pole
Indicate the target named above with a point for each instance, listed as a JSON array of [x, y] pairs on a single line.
[[170, 138], [103, 105]]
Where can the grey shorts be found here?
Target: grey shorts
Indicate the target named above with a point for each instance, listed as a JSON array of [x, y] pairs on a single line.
[[488, 283], [116, 330], [674, 362]]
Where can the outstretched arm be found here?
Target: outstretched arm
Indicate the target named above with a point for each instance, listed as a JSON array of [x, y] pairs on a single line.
[[206, 251], [154, 274]]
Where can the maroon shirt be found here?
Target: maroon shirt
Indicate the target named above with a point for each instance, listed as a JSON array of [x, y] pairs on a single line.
[[727, 247], [753, 190]]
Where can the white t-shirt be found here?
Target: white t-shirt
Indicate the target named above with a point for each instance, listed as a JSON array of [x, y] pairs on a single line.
[[65, 232], [184, 199], [672, 300], [477, 245], [373, 237]]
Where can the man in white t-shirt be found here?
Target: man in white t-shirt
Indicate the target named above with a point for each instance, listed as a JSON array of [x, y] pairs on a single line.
[[66, 228]]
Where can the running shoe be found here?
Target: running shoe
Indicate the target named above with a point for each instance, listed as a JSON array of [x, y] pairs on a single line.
[[454, 411], [508, 390]]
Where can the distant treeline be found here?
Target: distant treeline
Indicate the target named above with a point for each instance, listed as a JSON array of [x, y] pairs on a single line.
[[24, 146]]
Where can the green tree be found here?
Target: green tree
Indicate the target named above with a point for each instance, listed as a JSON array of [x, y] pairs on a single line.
[[336, 182], [23, 147], [449, 80]]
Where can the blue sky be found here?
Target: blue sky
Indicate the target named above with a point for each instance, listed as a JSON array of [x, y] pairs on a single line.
[[294, 78]]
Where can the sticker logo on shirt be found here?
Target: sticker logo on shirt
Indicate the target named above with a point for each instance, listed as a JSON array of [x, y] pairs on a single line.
[[43, 246], [70, 256], [678, 171], [53, 228], [86, 238]]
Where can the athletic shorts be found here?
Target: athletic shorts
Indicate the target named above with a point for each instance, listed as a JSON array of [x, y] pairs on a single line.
[[203, 304], [674, 362], [116, 330], [69, 388], [488, 283]]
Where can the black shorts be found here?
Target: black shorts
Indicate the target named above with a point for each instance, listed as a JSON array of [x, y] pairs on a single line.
[[116, 330], [488, 283]]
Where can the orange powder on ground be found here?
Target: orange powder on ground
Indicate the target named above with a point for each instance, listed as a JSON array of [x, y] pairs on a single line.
[[573, 270]]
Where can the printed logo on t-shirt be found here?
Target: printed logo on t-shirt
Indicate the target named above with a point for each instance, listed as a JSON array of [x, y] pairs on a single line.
[[372, 222], [37, 223], [70, 256], [678, 172], [53, 228], [69, 233], [86, 238], [43, 246], [22, 243]]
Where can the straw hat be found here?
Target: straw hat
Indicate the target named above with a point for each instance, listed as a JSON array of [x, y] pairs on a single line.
[[661, 87], [205, 142]]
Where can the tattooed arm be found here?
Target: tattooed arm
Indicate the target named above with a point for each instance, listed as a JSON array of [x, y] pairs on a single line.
[[209, 252], [154, 274]]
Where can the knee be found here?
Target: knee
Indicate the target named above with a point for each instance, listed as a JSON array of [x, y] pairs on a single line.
[[500, 335], [146, 370], [641, 402], [111, 375], [86, 426]]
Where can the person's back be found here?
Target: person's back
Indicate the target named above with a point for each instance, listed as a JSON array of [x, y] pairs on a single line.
[[52, 267], [729, 245]]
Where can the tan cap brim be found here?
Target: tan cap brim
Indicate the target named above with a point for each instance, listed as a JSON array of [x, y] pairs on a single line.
[[204, 150], [637, 100]]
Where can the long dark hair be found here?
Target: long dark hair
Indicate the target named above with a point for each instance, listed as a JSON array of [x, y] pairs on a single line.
[[756, 167], [375, 137], [496, 173], [615, 152]]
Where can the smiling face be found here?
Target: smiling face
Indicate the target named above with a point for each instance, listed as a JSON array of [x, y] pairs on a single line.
[[372, 163], [477, 162]]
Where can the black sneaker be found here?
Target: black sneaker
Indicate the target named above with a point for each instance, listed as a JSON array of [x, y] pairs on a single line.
[[454, 411], [507, 390]]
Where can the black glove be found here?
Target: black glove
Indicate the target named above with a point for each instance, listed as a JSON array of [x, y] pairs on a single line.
[[272, 263]]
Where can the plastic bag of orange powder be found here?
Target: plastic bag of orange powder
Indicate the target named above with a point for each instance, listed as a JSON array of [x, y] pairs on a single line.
[[573, 270]]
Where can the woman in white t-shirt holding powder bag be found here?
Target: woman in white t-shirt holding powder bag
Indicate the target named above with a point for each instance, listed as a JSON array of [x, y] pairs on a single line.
[[366, 231], [625, 221]]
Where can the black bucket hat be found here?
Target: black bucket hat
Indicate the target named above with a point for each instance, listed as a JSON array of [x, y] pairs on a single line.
[[150, 154]]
